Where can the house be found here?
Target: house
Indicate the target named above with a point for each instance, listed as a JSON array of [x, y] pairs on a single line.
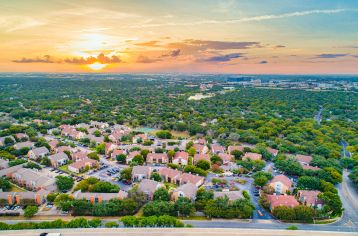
[[188, 190], [53, 144], [98, 124], [148, 187], [139, 138], [157, 158], [310, 198], [64, 148], [181, 158], [95, 139], [201, 141], [21, 136], [198, 157], [77, 156], [38, 153], [26, 144], [200, 149], [4, 164], [230, 149], [272, 151], [99, 197], [23, 198], [231, 195], [81, 165], [131, 155], [226, 158], [141, 172], [58, 159], [190, 178], [170, 175], [280, 183], [33, 180], [305, 160], [216, 149], [282, 200], [117, 152], [109, 147], [252, 156]]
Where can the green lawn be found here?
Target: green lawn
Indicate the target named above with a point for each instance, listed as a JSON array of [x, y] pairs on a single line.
[[15, 188]]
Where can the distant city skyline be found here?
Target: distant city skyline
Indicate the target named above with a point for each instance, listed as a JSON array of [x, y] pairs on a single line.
[[202, 36]]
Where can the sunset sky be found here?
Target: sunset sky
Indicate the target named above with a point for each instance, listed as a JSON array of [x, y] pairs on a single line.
[[207, 36]]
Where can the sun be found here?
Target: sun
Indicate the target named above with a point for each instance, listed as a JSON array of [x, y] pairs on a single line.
[[97, 66]]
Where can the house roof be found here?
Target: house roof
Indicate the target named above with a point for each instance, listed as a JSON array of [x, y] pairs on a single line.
[[40, 151], [304, 158], [232, 195], [105, 196], [141, 170], [282, 200], [83, 163], [234, 148], [152, 156], [149, 186], [58, 156], [225, 157], [182, 155], [309, 197], [272, 151], [252, 156], [171, 173], [188, 189], [27, 144], [198, 157], [283, 179], [190, 178], [215, 148]]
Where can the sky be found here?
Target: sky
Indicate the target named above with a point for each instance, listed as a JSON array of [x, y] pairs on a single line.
[[188, 36]]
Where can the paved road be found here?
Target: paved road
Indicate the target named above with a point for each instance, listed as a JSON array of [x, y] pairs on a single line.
[[349, 198], [177, 232]]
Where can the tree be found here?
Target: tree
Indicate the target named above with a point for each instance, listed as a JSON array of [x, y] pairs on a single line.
[[237, 154], [159, 208], [284, 213], [100, 148], [30, 211], [126, 173], [46, 161], [164, 134], [308, 182], [156, 176], [121, 158], [138, 160], [161, 194], [191, 151], [32, 165], [64, 183], [203, 164], [332, 202], [304, 213], [93, 155], [184, 206], [261, 181], [104, 187], [51, 197], [5, 184]]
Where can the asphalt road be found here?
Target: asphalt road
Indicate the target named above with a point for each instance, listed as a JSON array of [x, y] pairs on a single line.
[[177, 232]]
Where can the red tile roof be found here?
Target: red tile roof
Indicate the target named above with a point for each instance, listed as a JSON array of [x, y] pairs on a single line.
[[303, 158], [252, 156], [282, 200], [283, 179]]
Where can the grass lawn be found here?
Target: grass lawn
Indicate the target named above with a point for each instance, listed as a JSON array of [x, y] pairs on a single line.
[[65, 169], [15, 188]]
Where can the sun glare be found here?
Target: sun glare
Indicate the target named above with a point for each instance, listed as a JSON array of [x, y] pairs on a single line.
[[97, 66]]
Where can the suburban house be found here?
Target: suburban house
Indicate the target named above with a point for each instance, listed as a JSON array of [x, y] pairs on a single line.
[[38, 153], [53, 144], [58, 159], [190, 178], [157, 158], [33, 180], [148, 187], [216, 149], [280, 183], [139, 138], [109, 147], [200, 148], [141, 172], [282, 200], [181, 158], [198, 157], [201, 141], [188, 190], [170, 175], [226, 158], [131, 155], [64, 148], [99, 197], [273, 152], [303, 159], [26, 144], [231, 195], [230, 149], [310, 198], [252, 156], [4, 164], [77, 156], [95, 139], [81, 165], [116, 152], [20, 198], [21, 136]]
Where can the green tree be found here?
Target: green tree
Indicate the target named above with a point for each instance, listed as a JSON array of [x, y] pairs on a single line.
[[184, 206], [30, 211], [156, 176], [64, 183], [203, 164], [161, 194]]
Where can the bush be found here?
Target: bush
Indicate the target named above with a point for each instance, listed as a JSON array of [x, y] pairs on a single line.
[[30, 211], [158, 208], [151, 221], [64, 183], [292, 227], [111, 224]]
